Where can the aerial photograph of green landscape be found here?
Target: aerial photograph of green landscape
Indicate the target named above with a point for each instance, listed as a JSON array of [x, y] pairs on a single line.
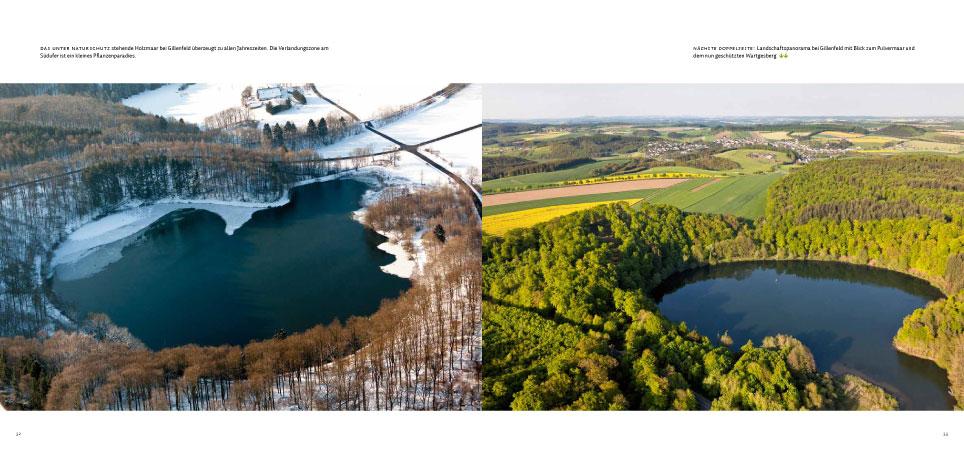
[[723, 247]]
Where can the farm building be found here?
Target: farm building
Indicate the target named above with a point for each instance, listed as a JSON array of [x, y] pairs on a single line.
[[277, 105], [271, 93]]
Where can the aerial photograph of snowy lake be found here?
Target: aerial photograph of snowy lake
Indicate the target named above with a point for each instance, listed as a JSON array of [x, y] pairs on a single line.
[[241, 246]]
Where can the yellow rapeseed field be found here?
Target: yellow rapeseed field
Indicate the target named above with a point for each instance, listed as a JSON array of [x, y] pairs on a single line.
[[872, 140], [638, 176], [499, 224], [842, 134]]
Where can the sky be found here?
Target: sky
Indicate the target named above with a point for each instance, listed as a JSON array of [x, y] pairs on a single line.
[[561, 101]]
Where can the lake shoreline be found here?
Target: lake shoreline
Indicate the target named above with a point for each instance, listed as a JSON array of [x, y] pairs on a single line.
[[113, 227], [929, 280], [840, 321], [212, 288]]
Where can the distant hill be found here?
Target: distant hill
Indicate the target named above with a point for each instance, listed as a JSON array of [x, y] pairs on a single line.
[[903, 131]]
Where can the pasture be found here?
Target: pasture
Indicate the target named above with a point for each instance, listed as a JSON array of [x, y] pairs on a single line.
[[542, 179], [587, 198], [583, 189], [917, 146], [583, 175], [742, 196], [872, 142], [840, 134], [544, 135], [752, 160]]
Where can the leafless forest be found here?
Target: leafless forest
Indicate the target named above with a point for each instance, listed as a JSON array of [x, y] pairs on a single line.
[[65, 160], [419, 351]]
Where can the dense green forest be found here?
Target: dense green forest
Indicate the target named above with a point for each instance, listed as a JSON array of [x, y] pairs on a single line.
[[594, 145], [569, 323], [507, 166], [902, 213], [936, 332], [900, 131]]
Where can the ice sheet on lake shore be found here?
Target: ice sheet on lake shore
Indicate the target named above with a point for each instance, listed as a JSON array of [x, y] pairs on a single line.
[[87, 250], [121, 225]]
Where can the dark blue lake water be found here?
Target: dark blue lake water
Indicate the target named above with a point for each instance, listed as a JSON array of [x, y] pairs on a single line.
[[183, 280], [847, 315]]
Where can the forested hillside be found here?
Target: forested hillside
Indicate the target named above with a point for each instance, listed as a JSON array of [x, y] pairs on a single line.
[[507, 166], [580, 286], [419, 351], [37, 215], [105, 91], [903, 213], [936, 332], [82, 112], [68, 159], [41, 128], [24, 144], [37, 128]]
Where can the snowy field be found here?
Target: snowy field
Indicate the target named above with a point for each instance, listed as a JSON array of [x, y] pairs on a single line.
[[462, 110], [201, 100], [192, 104], [367, 101], [459, 153]]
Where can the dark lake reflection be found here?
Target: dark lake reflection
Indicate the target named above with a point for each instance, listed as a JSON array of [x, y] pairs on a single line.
[[846, 314], [183, 280]]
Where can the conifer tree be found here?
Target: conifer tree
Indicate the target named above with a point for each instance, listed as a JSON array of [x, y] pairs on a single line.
[[279, 137], [439, 233]]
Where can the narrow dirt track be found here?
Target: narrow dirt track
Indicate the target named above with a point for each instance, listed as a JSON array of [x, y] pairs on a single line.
[[570, 191]]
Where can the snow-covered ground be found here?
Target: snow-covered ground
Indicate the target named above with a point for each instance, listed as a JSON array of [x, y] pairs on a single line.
[[459, 153], [85, 250], [462, 110], [462, 154], [192, 104], [405, 263], [198, 101], [80, 245], [367, 101]]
